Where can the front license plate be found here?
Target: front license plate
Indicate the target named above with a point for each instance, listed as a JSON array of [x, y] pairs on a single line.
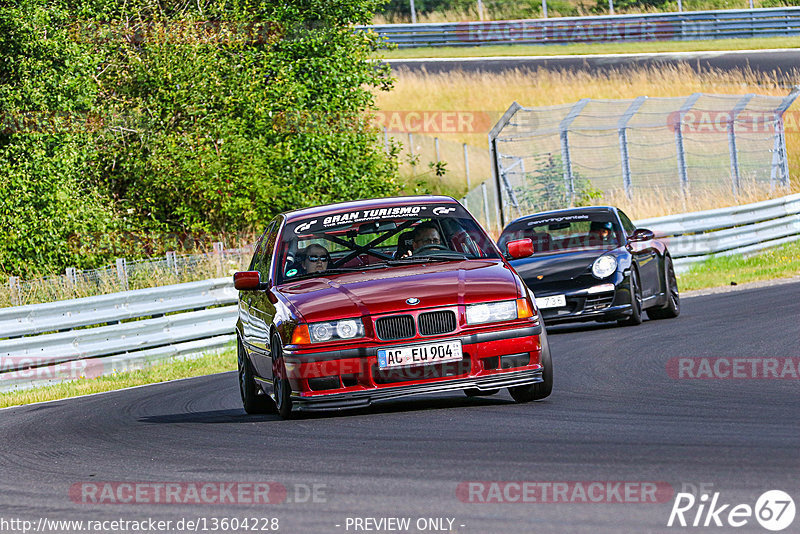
[[445, 351], [553, 301]]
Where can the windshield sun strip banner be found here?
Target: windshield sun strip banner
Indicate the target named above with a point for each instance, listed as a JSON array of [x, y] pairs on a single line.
[[337, 220]]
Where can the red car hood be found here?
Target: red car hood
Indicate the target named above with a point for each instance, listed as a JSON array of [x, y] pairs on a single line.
[[386, 290]]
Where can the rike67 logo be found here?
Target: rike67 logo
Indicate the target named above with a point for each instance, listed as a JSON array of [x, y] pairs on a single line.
[[774, 510]]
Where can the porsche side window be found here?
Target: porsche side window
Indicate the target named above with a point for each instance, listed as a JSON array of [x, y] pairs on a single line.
[[626, 223]]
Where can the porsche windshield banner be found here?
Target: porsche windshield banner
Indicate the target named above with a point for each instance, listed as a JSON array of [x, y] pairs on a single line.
[[349, 218]]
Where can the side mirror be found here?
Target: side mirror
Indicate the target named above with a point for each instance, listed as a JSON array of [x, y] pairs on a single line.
[[521, 248], [641, 234], [247, 280]]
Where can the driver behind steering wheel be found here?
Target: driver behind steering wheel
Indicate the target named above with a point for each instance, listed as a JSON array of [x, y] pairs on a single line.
[[425, 235]]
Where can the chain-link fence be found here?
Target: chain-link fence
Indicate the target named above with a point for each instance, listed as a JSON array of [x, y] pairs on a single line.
[[657, 150], [124, 275]]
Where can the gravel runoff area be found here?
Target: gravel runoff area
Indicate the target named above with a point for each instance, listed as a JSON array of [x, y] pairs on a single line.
[[739, 287]]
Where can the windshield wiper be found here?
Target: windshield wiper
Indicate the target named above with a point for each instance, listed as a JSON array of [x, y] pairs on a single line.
[[427, 259]]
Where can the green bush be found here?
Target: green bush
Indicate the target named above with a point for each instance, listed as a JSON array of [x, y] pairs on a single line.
[[164, 117]]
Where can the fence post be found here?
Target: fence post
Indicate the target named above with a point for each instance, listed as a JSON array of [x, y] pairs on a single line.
[[466, 171], [496, 129], [413, 12], [436, 146], [122, 273], [172, 261], [678, 126], [219, 253], [411, 145], [738, 108], [544, 9], [622, 128], [779, 160], [486, 205], [566, 161], [15, 289], [72, 278]]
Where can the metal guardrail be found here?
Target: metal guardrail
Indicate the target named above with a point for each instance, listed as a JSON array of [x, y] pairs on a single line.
[[693, 237], [682, 26], [80, 342]]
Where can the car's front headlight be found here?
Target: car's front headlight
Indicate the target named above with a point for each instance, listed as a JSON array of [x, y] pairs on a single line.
[[604, 266], [494, 312], [335, 330]]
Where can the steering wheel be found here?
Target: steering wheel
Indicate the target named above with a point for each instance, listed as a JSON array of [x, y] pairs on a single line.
[[429, 248]]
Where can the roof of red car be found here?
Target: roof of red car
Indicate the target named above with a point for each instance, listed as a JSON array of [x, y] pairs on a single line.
[[372, 203]]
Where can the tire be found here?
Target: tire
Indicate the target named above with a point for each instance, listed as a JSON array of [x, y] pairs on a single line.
[[283, 390], [540, 390], [474, 392], [253, 402], [636, 302], [673, 306]]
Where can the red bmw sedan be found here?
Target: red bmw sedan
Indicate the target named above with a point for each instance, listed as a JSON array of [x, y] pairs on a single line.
[[347, 304]]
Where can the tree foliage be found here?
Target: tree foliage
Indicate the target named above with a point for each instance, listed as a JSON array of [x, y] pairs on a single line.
[[156, 116]]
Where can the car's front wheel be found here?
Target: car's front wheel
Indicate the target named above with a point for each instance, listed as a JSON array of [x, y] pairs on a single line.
[[540, 390], [283, 390], [636, 302], [673, 306], [253, 399]]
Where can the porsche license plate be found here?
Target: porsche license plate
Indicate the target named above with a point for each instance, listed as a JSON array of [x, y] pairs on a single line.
[[445, 351], [553, 301]]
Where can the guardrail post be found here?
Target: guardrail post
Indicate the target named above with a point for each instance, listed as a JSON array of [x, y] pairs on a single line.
[[122, 273], [622, 128], [566, 161], [219, 253], [780, 163], [738, 108], [678, 126], [15, 290]]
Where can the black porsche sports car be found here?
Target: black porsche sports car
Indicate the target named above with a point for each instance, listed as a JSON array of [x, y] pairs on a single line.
[[592, 264]]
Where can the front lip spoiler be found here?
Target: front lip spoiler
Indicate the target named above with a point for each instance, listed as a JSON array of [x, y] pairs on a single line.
[[355, 399], [621, 310]]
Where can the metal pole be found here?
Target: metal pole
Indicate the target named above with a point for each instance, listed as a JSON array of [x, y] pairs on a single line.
[[72, 278], [122, 273], [14, 287], [480, 9], [740, 105], [611, 7], [436, 146], [680, 5], [566, 160], [486, 205], [544, 9], [466, 166], [411, 144], [682, 173], [779, 160], [495, 131], [413, 12], [622, 127]]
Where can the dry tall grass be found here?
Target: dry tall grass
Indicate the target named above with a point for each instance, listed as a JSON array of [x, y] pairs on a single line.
[[493, 93]]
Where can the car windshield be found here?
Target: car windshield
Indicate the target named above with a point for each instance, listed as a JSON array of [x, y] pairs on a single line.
[[569, 231], [380, 238]]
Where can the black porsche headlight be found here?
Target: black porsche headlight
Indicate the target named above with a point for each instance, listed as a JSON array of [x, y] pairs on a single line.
[[604, 266]]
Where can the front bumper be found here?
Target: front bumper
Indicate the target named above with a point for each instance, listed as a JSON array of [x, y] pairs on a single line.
[[585, 306], [351, 377]]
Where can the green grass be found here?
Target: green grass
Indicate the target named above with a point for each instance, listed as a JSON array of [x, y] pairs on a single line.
[[170, 370], [780, 262], [595, 48]]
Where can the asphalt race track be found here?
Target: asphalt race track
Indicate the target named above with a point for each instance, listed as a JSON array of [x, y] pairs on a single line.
[[615, 416], [785, 61]]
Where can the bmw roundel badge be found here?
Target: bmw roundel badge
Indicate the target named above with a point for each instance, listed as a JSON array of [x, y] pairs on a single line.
[[412, 301]]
